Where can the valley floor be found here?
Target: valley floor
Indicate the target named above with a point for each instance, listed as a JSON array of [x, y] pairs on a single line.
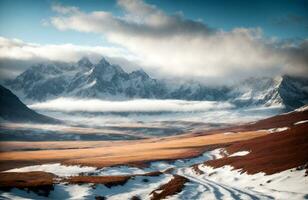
[[263, 160]]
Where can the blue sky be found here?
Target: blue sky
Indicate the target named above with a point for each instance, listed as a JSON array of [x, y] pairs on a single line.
[[284, 19]]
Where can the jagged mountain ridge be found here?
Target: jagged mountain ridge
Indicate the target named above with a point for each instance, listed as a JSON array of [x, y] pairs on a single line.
[[107, 81], [86, 80]]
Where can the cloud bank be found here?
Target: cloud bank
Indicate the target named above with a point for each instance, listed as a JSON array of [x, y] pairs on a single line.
[[173, 45], [149, 112], [166, 46], [18, 49], [140, 105]]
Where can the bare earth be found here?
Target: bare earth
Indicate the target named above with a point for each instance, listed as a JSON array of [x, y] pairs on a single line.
[[102, 154]]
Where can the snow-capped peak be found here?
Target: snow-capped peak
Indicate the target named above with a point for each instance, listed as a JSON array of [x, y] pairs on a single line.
[[139, 73], [103, 62], [84, 62]]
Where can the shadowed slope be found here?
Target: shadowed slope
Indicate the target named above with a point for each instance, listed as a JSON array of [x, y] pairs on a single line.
[[12, 109]]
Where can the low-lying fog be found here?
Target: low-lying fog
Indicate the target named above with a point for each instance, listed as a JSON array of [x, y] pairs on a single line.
[[134, 119]]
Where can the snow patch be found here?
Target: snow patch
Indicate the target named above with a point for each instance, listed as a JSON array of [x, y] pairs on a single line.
[[89, 72], [288, 184], [301, 122], [92, 83], [119, 170], [233, 184], [133, 187], [303, 108], [57, 169], [276, 130], [229, 133], [240, 153]]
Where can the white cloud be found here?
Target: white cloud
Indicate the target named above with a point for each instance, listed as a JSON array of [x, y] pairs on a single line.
[[18, 49], [139, 105], [173, 45], [64, 10], [17, 55], [147, 112]]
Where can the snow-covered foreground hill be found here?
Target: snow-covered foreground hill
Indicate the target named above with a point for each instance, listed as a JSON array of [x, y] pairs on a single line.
[[205, 183]]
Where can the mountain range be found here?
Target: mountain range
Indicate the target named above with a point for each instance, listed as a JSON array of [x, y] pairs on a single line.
[[103, 80]]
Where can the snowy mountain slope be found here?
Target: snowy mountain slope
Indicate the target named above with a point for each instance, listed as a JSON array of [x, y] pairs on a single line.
[[294, 91], [286, 90], [86, 80], [108, 81], [43, 81], [198, 91], [258, 91]]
